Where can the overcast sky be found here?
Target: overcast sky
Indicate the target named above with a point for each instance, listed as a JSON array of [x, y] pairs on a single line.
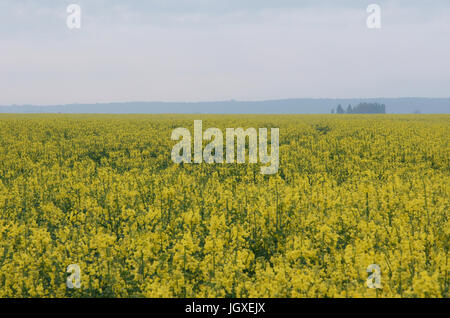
[[197, 50]]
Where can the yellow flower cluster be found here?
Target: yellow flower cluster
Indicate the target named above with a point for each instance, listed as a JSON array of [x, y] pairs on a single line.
[[100, 191]]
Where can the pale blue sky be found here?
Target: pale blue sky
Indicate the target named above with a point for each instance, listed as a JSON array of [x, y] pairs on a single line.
[[180, 50]]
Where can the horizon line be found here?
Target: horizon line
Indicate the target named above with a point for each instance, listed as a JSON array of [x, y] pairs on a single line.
[[217, 101]]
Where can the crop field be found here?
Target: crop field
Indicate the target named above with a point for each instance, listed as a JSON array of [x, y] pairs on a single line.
[[102, 192]]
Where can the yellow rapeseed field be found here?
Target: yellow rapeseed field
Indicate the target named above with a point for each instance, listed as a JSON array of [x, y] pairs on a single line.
[[101, 191]]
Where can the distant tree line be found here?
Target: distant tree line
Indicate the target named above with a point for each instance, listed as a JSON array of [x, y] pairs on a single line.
[[361, 108]]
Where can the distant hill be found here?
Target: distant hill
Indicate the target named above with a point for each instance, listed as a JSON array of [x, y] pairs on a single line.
[[283, 106]]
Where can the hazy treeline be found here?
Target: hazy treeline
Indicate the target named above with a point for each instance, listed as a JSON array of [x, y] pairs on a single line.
[[361, 108], [281, 106]]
